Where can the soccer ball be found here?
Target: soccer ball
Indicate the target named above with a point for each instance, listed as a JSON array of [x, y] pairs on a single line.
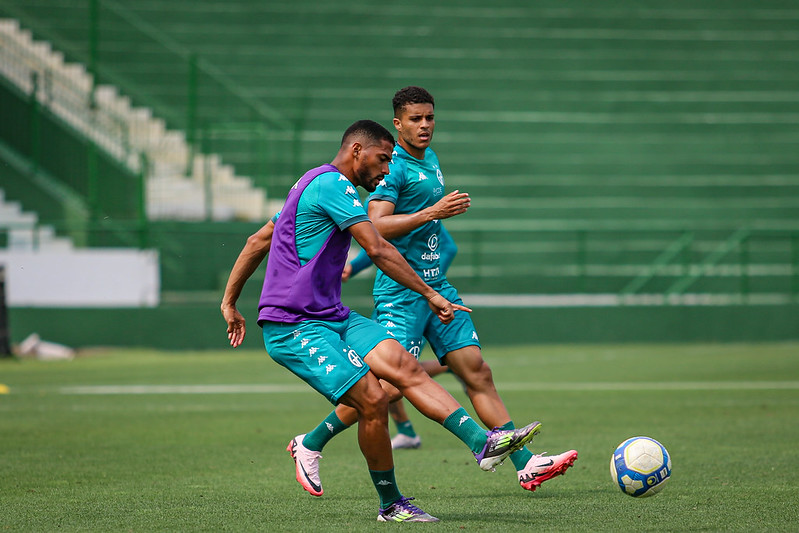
[[640, 466]]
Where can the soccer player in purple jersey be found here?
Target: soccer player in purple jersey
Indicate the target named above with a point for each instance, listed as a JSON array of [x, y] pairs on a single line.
[[338, 352]]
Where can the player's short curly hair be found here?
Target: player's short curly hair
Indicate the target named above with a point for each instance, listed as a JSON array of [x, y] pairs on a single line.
[[367, 130], [411, 95]]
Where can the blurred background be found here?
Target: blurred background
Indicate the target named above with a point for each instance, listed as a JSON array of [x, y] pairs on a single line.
[[633, 165]]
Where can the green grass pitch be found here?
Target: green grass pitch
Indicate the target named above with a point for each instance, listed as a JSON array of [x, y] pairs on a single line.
[[139, 440]]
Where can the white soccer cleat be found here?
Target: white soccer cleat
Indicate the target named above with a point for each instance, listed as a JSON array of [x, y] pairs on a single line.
[[307, 465], [542, 467], [402, 441]]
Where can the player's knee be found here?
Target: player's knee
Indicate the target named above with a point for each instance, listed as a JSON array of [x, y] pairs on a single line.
[[479, 377], [374, 404]]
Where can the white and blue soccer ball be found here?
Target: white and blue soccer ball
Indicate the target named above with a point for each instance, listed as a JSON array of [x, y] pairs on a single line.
[[640, 466]]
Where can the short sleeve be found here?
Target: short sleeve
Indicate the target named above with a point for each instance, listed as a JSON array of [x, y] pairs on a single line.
[[339, 198], [388, 189]]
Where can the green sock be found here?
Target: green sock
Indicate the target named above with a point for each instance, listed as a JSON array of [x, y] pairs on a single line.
[[519, 457], [329, 428], [386, 487], [406, 428], [465, 428]]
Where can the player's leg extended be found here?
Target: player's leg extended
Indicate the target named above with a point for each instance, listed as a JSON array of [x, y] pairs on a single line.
[[392, 363]]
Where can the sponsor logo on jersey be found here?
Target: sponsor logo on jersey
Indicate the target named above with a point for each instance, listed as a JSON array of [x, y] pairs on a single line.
[[322, 359], [342, 177], [312, 350], [329, 368], [431, 256], [357, 203], [432, 242], [422, 177], [303, 342], [349, 190], [431, 272]]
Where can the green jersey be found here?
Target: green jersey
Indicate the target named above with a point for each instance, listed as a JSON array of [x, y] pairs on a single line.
[[412, 185]]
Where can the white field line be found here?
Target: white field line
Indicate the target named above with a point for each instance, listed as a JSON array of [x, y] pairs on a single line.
[[563, 387]]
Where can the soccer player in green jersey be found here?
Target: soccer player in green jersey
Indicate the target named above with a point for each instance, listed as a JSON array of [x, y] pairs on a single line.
[[407, 208]]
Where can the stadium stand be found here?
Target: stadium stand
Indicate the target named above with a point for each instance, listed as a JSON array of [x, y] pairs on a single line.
[[626, 149]]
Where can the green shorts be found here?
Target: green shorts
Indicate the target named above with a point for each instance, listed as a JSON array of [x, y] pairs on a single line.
[[406, 315], [328, 356]]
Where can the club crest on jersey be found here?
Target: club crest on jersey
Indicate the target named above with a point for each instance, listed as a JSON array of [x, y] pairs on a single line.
[[354, 358], [440, 176]]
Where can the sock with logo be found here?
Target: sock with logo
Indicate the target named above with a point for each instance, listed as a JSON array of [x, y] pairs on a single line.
[[519, 457], [465, 428], [406, 428], [321, 435], [386, 487]]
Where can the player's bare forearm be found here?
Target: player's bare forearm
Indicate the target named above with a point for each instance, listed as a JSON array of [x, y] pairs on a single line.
[[253, 253], [388, 259], [249, 258], [392, 225]]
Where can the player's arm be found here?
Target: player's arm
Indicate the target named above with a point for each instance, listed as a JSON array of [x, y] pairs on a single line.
[[386, 257], [391, 226], [356, 266], [253, 253]]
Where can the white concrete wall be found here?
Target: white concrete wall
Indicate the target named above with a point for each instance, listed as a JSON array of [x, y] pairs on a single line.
[[82, 278]]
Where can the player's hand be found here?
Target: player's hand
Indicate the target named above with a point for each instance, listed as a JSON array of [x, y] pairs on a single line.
[[444, 309], [454, 203], [347, 272], [235, 325]]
